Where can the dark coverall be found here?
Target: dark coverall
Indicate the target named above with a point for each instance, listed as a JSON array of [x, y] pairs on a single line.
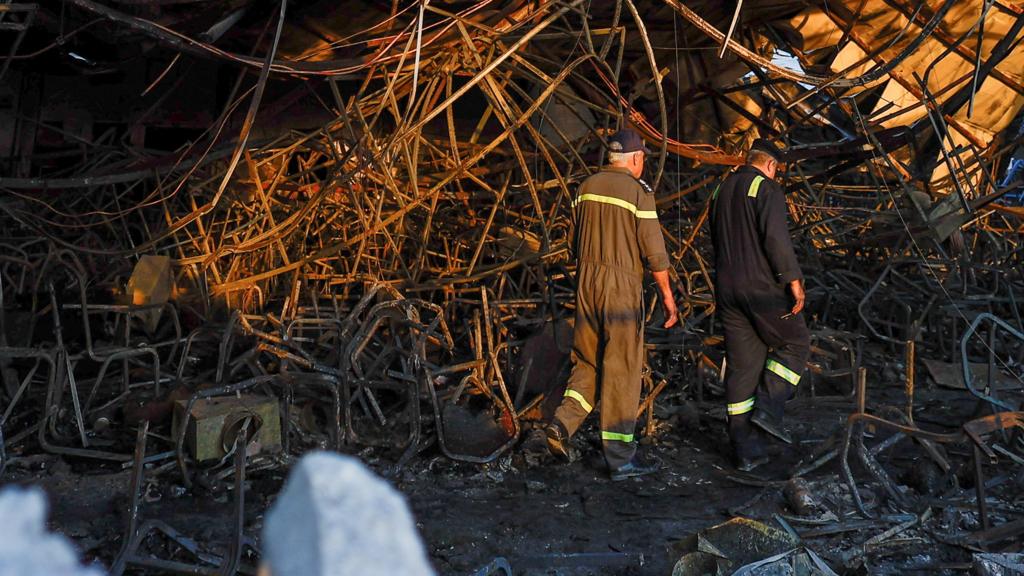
[[617, 232], [766, 349]]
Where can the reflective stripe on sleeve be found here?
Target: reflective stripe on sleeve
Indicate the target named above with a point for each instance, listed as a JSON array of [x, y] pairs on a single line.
[[616, 436], [781, 371], [737, 408], [644, 214], [755, 185], [579, 398]]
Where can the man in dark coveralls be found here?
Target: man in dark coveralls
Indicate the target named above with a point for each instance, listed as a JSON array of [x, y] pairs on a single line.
[[617, 234], [759, 295]]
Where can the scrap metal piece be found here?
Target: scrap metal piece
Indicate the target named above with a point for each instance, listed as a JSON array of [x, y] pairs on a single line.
[[998, 565], [151, 283], [727, 547], [800, 497], [802, 561], [214, 422], [965, 362]]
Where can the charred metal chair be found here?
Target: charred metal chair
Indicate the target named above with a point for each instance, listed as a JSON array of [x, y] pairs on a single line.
[[20, 359], [62, 268]]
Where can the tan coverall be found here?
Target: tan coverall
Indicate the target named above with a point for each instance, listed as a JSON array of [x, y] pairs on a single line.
[[617, 232]]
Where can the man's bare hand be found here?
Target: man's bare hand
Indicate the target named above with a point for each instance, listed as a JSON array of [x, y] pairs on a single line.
[[668, 301], [671, 313], [796, 288]]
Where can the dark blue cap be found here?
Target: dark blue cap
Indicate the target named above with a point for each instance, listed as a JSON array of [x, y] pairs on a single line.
[[625, 141], [768, 147]]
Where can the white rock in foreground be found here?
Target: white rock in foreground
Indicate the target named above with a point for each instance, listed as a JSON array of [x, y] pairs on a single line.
[[26, 548], [336, 518]]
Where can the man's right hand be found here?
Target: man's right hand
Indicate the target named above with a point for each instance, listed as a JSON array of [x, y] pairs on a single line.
[[668, 301], [671, 313], [796, 288]]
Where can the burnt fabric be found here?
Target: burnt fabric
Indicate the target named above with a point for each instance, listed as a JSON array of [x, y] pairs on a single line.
[[766, 347], [617, 235]]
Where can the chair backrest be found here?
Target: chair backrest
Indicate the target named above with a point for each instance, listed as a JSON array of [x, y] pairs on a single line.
[[19, 268]]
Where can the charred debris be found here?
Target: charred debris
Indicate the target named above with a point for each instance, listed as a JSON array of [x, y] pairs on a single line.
[[235, 231]]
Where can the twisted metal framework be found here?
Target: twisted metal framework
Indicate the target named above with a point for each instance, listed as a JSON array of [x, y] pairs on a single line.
[[391, 262]]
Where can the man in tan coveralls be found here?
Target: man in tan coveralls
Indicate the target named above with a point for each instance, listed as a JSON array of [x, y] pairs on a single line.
[[617, 234]]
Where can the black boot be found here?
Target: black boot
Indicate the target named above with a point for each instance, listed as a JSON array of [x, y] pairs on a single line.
[[632, 469], [762, 420], [747, 464], [750, 454]]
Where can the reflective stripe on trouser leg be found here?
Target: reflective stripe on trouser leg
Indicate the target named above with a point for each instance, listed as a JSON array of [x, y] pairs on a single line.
[[621, 363], [737, 408], [747, 354], [582, 383], [778, 385], [782, 368], [579, 398], [744, 443], [777, 368], [615, 436]]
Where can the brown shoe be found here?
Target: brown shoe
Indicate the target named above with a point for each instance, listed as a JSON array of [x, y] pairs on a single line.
[[558, 440]]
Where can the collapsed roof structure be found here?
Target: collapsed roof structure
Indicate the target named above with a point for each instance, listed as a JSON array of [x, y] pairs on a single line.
[[366, 204]]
